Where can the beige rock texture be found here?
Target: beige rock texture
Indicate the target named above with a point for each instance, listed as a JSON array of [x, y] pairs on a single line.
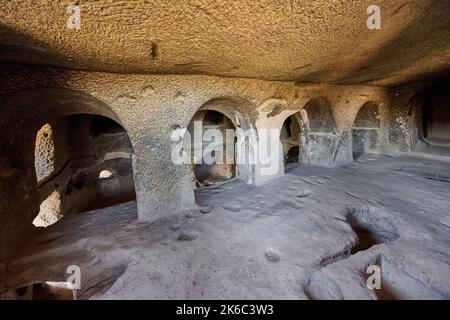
[[44, 152], [301, 41]]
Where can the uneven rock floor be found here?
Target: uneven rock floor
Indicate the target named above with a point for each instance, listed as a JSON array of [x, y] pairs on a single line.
[[308, 235]]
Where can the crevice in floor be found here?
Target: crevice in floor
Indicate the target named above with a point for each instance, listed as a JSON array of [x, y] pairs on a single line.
[[385, 292], [370, 230]]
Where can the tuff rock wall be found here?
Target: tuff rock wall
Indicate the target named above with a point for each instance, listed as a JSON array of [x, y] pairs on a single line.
[[151, 108]]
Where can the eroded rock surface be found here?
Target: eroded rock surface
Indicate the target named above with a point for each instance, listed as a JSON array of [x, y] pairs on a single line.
[[292, 253]]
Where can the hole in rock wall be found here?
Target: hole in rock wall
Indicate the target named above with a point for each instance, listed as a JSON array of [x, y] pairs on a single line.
[[105, 174]]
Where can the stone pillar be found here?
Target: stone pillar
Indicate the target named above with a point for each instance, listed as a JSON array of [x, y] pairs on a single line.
[[162, 187], [401, 124], [269, 164]]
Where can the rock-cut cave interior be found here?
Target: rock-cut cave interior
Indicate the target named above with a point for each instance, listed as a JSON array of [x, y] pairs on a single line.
[[225, 149]]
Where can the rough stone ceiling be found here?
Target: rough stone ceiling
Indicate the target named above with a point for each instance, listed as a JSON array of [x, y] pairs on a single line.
[[289, 40]]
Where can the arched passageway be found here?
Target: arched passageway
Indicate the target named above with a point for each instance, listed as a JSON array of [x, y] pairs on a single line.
[[219, 142], [65, 152], [430, 115], [317, 116], [92, 155], [307, 135], [211, 137], [318, 128], [290, 136], [429, 119], [436, 118], [366, 130]]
